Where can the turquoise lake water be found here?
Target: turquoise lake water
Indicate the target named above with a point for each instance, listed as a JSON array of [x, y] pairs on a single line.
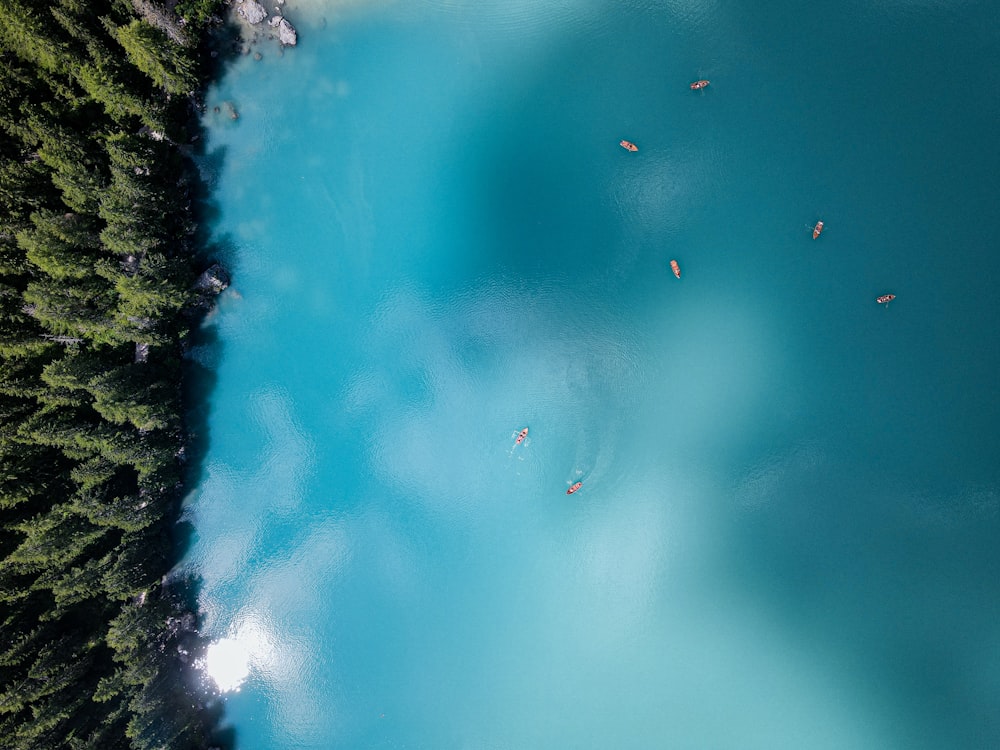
[[786, 535]]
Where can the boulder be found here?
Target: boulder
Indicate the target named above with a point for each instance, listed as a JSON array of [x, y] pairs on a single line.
[[252, 11], [286, 33], [213, 280]]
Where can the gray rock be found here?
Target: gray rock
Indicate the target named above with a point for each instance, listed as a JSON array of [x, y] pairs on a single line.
[[286, 33], [252, 11], [213, 280], [273, 21]]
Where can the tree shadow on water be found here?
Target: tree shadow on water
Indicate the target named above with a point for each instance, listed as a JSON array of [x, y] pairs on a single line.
[[185, 688]]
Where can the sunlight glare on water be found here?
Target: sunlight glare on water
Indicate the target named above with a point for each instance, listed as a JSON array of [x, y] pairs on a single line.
[[229, 661]]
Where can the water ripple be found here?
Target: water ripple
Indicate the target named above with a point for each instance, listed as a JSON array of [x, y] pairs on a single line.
[[525, 18]]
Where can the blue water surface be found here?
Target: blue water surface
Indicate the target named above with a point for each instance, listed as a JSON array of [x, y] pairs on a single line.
[[786, 531]]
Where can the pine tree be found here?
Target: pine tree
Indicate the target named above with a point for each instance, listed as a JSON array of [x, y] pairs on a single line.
[[130, 394], [33, 34], [58, 537], [79, 309], [62, 245], [20, 334], [24, 187], [169, 65], [76, 162], [30, 474]]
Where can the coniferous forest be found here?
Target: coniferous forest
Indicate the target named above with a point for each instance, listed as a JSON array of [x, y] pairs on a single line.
[[99, 269]]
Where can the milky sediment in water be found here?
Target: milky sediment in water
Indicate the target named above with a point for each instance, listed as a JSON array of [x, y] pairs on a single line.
[[785, 534]]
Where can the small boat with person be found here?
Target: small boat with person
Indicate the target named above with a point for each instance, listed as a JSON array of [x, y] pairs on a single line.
[[675, 268], [521, 436], [885, 299], [817, 229], [699, 85], [574, 488], [628, 146]]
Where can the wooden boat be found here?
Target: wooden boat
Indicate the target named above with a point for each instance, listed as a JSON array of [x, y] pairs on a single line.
[[521, 436], [699, 85], [817, 229], [628, 146], [675, 268], [885, 299], [574, 488]]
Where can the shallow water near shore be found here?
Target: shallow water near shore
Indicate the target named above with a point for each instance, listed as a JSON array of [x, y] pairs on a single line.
[[786, 531]]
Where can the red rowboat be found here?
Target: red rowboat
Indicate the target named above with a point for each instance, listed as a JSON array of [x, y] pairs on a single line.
[[521, 436], [675, 268], [885, 299], [574, 488], [817, 229], [698, 85], [628, 146]]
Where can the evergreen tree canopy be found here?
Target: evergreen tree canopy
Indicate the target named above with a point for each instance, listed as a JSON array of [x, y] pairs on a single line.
[[165, 62], [97, 261]]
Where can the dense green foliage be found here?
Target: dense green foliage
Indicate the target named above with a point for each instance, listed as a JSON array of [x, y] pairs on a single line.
[[96, 276]]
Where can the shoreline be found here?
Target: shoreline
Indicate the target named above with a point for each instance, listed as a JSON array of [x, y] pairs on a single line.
[[256, 25], [99, 446]]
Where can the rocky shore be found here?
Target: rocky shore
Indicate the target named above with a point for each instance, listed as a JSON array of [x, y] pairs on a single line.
[[256, 23]]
